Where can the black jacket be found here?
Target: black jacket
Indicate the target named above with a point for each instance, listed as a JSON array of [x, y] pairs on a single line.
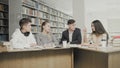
[[76, 37]]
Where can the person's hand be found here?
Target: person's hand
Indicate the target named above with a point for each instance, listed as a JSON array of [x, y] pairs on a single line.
[[85, 44], [33, 44]]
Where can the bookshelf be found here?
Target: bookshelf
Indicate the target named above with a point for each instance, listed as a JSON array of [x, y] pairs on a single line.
[[38, 12], [4, 24]]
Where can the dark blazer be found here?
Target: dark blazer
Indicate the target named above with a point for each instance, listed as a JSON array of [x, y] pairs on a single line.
[[76, 37]]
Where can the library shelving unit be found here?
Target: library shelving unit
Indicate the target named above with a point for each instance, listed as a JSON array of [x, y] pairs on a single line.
[[4, 20], [38, 12]]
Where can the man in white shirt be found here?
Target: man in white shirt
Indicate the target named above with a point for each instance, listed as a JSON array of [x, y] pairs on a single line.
[[22, 37]]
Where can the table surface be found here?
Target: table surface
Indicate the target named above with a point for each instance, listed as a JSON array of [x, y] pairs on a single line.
[[89, 48]]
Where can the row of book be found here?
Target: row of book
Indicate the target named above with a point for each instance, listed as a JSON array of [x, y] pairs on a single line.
[[32, 12], [51, 17], [43, 8], [57, 24], [29, 11], [35, 29], [57, 30], [53, 24], [3, 23], [29, 2], [3, 30], [34, 21], [3, 15], [52, 11], [58, 36], [3, 7], [62, 20]]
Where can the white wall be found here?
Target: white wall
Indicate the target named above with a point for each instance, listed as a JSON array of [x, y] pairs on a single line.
[[107, 11], [79, 13]]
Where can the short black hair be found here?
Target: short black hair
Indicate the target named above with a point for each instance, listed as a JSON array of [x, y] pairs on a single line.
[[24, 21], [71, 21]]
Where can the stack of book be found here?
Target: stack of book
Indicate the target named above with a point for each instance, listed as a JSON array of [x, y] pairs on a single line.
[[116, 42]]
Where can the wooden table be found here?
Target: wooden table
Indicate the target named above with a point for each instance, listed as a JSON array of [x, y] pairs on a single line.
[[74, 57], [35, 58], [97, 57]]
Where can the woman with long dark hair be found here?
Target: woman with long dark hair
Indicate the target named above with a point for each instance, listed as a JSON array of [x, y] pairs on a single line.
[[98, 34]]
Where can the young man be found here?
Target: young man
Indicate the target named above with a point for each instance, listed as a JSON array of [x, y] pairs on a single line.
[[22, 37], [72, 35]]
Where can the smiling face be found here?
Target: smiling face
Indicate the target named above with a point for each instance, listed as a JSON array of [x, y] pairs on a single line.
[[46, 27], [71, 27]]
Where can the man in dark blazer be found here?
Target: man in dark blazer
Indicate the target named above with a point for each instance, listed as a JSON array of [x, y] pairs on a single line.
[[72, 35]]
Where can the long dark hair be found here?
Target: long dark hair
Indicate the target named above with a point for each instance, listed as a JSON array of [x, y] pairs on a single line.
[[43, 24], [99, 29]]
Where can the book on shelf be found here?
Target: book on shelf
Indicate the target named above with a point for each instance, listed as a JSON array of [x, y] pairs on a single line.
[[5, 22], [5, 15], [29, 2], [35, 13], [33, 20], [34, 29], [1, 15], [45, 8], [39, 22], [5, 8], [50, 11], [1, 22], [29, 11], [3, 30], [39, 6], [1, 7], [40, 14], [43, 15], [61, 19]]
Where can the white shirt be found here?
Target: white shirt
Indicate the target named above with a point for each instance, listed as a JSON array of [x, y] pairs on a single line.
[[70, 36], [20, 41]]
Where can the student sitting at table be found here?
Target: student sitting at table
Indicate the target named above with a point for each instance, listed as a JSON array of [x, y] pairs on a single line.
[[22, 37], [98, 34], [45, 38], [72, 35]]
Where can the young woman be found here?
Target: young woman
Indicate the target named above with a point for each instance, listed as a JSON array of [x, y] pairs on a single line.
[[45, 38], [98, 34]]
